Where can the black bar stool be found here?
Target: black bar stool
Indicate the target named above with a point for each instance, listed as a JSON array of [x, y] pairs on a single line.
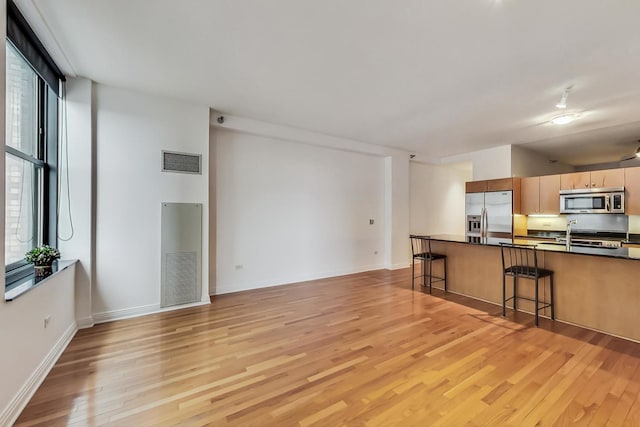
[[421, 250], [521, 261]]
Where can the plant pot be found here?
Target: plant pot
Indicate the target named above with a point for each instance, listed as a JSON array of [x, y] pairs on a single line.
[[42, 270]]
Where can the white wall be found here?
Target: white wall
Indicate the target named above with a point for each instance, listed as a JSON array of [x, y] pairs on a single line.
[[288, 212], [396, 211], [525, 162], [28, 348], [131, 131], [634, 162], [437, 195], [75, 220], [491, 163]]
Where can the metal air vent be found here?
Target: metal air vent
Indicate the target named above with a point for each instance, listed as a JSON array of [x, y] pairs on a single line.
[[181, 249], [181, 162]]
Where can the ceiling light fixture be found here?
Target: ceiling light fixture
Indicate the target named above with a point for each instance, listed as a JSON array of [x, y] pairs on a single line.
[[564, 119], [563, 100]]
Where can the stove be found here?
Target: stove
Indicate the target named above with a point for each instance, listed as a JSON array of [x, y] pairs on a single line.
[[592, 242]]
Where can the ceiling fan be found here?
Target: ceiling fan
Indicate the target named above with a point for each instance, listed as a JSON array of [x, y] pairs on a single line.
[[636, 155]]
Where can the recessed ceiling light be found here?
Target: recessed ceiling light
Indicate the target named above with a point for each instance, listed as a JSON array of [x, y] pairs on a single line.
[[564, 119]]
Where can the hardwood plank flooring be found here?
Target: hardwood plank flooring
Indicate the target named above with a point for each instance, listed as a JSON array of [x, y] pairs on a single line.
[[357, 350]]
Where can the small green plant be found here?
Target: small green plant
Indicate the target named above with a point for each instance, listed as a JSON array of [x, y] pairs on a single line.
[[42, 255]]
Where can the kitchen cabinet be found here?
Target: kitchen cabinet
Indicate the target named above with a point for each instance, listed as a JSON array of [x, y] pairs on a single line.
[[550, 194], [576, 180], [632, 187], [501, 184], [594, 179], [476, 186], [607, 178], [530, 195], [541, 195]]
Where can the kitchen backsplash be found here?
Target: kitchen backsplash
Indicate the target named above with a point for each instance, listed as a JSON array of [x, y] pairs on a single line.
[[552, 223], [634, 224], [559, 223]]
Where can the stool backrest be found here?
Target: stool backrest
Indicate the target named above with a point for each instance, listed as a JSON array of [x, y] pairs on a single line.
[[420, 245], [524, 257]]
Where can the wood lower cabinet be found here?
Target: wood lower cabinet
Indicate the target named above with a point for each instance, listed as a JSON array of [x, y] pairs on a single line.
[[595, 179], [595, 292], [541, 195]]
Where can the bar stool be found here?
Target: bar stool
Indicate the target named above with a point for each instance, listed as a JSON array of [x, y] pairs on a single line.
[[421, 250], [521, 261]]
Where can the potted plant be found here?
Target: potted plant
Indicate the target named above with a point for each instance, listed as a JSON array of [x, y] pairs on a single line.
[[42, 258]]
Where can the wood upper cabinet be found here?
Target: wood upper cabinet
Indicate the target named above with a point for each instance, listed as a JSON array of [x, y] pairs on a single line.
[[607, 178], [530, 195], [594, 179], [632, 187], [550, 194], [574, 181], [541, 195], [476, 186], [501, 184]]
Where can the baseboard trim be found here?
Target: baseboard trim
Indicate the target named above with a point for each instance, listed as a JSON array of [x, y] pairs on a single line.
[[227, 289], [85, 322], [143, 310], [399, 266], [13, 410]]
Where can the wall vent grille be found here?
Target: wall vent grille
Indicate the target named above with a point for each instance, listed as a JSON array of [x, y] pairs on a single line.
[[181, 162], [181, 285], [181, 249]]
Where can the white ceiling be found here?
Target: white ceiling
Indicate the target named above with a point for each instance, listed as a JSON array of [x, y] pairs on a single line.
[[430, 76]]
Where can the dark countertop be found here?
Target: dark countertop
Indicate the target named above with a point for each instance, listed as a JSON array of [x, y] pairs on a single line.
[[634, 238], [624, 253]]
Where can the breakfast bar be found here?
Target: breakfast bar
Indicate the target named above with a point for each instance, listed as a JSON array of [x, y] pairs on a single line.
[[597, 288]]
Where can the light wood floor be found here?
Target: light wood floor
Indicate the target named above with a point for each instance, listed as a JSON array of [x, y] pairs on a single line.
[[359, 350]]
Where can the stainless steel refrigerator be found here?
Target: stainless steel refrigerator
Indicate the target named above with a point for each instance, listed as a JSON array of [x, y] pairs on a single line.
[[489, 214]]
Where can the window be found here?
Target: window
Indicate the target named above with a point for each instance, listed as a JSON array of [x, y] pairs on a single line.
[[31, 136]]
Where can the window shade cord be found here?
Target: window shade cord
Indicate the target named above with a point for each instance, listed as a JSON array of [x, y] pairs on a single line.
[[64, 151]]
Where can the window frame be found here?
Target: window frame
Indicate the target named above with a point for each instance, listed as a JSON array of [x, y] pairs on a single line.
[[45, 164]]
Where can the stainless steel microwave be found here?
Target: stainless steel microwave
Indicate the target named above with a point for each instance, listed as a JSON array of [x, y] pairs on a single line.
[[594, 200]]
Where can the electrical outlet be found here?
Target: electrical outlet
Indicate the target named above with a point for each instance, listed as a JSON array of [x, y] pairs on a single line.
[[47, 320], [239, 267], [370, 222]]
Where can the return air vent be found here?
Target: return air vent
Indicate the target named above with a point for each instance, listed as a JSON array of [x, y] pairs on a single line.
[[181, 162], [181, 249]]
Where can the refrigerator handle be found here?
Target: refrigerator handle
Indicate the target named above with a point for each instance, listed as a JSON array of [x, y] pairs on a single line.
[[483, 223]]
